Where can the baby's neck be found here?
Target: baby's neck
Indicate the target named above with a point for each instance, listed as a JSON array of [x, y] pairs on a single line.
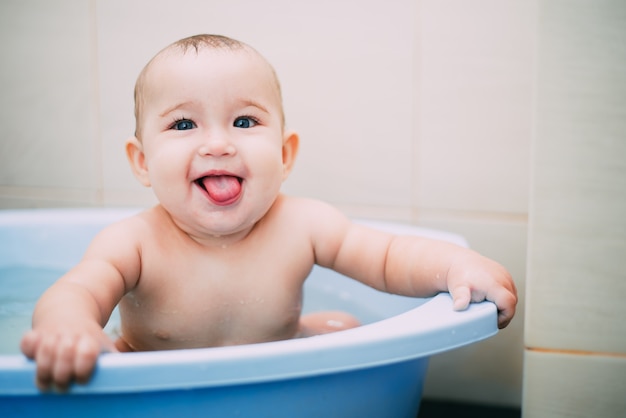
[[221, 241], [208, 238]]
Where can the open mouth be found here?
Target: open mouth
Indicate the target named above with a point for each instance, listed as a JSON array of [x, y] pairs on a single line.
[[222, 189]]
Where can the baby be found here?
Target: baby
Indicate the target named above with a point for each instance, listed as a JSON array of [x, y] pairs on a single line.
[[222, 258]]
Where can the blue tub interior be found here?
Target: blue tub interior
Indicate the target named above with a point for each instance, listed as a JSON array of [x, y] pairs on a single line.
[[376, 370]]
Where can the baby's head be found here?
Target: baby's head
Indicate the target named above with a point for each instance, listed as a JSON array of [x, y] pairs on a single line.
[[195, 44], [210, 138]]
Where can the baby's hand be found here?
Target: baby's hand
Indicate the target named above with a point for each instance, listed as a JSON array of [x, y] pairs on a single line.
[[64, 355], [474, 278]]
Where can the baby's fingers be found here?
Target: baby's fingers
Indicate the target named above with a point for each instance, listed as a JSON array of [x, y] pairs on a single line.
[[506, 301], [461, 297], [45, 354], [87, 352], [29, 344], [63, 369], [62, 359]]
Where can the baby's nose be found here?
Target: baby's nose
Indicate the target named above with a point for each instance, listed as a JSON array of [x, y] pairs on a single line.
[[217, 145]]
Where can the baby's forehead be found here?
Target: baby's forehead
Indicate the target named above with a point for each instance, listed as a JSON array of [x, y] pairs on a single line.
[[168, 62], [173, 58]]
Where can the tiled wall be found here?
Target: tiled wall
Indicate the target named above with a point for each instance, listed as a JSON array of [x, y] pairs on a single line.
[[417, 111], [575, 361]]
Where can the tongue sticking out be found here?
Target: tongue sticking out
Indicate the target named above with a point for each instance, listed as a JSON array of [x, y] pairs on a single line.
[[222, 189]]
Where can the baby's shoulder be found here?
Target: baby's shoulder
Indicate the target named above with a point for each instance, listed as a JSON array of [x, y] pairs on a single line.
[[134, 227], [312, 217], [305, 206], [304, 210]]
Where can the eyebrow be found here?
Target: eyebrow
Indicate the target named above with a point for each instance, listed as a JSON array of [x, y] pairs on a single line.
[[253, 103], [245, 102], [176, 107]]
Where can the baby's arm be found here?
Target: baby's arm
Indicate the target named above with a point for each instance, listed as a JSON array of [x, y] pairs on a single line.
[[412, 266], [441, 266], [67, 334]]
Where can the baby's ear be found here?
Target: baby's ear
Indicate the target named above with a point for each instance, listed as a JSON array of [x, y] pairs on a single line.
[[291, 144], [137, 160]]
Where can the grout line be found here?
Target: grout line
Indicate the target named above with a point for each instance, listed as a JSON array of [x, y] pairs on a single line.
[[469, 215], [416, 49], [36, 192], [418, 215], [573, 352], [96, 100]]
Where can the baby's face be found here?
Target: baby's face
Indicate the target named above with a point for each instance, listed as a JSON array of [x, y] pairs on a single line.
[[212, 136]]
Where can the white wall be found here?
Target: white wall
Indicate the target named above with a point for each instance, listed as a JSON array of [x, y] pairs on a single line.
[[410, 111]]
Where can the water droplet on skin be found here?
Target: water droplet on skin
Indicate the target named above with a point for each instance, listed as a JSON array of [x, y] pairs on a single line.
[[334, 323], [162, 335]]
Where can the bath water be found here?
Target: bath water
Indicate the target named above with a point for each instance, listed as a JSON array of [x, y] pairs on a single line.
[[21, 288]]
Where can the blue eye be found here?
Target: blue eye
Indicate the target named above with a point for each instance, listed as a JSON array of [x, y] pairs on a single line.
[[244, 122], [183, 125]]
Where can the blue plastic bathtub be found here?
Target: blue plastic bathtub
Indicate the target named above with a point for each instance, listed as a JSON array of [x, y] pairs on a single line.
[[376, 370]]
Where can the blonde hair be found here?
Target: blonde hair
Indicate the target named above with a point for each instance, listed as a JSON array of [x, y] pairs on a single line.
[[196, 43]]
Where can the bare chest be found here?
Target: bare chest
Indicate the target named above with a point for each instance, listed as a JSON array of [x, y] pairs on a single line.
[[208, 303]]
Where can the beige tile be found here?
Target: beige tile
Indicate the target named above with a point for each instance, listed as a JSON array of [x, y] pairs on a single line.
[[487, 372], [573, 386], [142, 197], [348, 92], [46, 197], [577, 273], [491, 371], [374, 212], [48, 96], [474, 96]]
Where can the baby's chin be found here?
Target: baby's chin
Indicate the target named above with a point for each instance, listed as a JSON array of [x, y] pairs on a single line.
[[206, 222]]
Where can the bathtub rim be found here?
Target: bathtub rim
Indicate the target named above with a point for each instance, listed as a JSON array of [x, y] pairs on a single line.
[[431, 328], [401, 338]]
